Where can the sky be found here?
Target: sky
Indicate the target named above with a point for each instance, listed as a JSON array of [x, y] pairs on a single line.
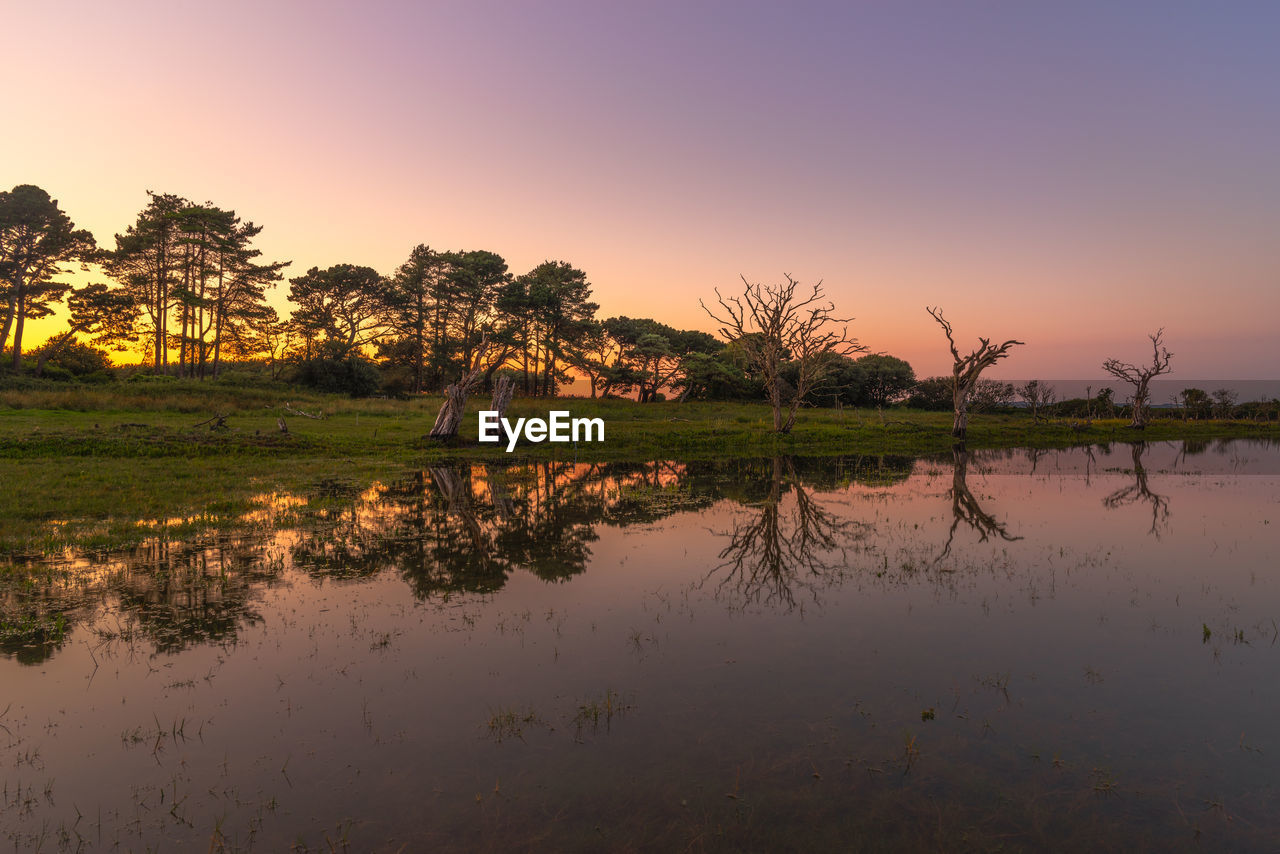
[[1074, 175]]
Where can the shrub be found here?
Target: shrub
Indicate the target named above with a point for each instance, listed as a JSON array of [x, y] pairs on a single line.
[[352, 375]]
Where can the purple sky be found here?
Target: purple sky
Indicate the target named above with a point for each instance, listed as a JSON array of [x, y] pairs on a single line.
[[1074, 174]]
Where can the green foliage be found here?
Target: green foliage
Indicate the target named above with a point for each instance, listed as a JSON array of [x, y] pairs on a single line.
[[649, 355], [549, 319], [991, 394], [336, 369], [36, 240], [437, 305], [1195, 403], [248, 375], [150, 377], [1224, 403], [74, 357], [716, 376], [884, 379], [932, 394], [872, 380], [341, 306], [190, 281]]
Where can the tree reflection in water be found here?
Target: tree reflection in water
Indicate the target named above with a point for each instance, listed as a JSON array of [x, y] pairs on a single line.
[[1139, 491], [774, 554], [173, 595], [965, 507], [447, 530]]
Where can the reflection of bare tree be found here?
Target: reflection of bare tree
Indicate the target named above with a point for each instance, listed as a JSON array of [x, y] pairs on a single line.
[[446, 529], [1139, 491], [1034, 455], [775, 553], [965, 507]]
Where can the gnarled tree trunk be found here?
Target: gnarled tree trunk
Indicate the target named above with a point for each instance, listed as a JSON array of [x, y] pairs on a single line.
[[449, 419], [504, 388], [960, 424]]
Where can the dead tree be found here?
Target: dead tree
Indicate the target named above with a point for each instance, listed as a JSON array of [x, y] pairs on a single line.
[[967, 369], [1140, 377], [503, 390], [449, 418], [772, 324]]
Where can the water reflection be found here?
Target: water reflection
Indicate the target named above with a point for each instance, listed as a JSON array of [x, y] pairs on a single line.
[[173, 595], [1139, 492], [465, 528], [773, 552], [1061, 681], [449, 529], [966, 509]]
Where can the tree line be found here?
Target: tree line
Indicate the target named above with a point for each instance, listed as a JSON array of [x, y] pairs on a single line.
[[188, 288]]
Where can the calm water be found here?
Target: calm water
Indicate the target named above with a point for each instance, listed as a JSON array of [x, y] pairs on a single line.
[[1017, 651]]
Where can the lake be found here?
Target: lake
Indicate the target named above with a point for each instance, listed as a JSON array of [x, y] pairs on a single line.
[[1016, 650]]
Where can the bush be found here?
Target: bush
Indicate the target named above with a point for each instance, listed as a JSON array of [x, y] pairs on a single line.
[[884, 379], [932, 394], [55, 373], [353, 376], [75, 358], [246, 377], [396, 380], [98, 378]]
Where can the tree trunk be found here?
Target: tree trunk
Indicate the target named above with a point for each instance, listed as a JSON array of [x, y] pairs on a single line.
[[19, 311], [1139, 407], [449, 419], [503, 390], [420, 345], [8, 321], [960, 424], [499, 491]]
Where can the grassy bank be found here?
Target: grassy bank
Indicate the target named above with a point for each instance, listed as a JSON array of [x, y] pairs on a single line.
[[100, 468]]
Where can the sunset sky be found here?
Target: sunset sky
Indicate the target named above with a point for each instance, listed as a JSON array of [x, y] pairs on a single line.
[[1073, 174]]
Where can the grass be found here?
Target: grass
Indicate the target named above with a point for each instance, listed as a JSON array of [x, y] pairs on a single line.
[[105, 467]]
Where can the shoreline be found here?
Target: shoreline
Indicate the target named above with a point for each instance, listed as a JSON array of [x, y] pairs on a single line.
[[96, 479]]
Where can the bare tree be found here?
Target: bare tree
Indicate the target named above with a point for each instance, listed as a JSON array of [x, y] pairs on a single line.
[[504, 388], [1037, 396], [967, 369], [1140, 377], [773, 325]]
